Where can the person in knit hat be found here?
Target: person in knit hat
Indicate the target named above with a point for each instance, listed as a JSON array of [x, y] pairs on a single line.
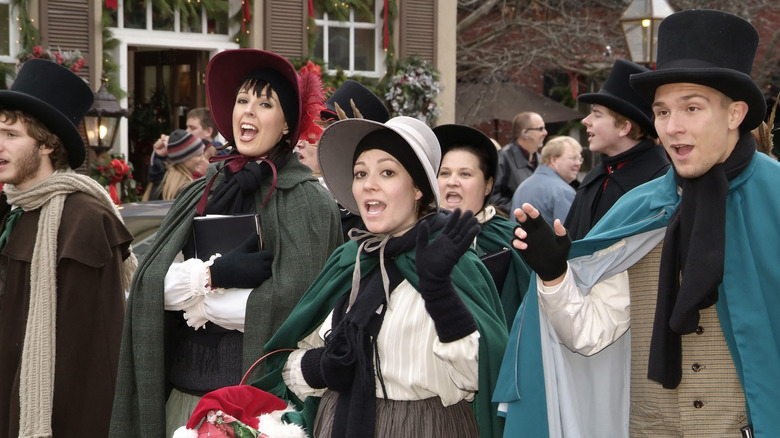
[[186, 162], [65, 264], [662, 320]]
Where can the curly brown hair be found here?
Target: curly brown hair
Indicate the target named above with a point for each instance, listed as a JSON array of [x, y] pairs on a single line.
[[40, 133]]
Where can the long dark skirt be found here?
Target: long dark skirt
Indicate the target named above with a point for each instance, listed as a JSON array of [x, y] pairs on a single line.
[[409, 419]]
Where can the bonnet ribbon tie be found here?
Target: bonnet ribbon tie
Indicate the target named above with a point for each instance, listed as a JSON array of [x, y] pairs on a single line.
[[234, 163]]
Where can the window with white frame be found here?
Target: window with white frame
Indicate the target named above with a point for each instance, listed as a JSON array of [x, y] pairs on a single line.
[[138, 15], [354, 45], [7, 32]]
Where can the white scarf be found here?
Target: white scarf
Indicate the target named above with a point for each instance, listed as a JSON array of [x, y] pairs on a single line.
[[38, 355]]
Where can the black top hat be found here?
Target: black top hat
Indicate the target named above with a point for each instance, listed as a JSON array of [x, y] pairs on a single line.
[[226, 72], [56, 97], [454, 135], [711, 48], [617, 95], [369, 105]]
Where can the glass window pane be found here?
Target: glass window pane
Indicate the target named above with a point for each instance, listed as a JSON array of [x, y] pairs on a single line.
[[338, 48], [318, 46], [5, 41], [364, 49], [135, 15], [366, 16], [218, 23], [193, 22], [161, 21]]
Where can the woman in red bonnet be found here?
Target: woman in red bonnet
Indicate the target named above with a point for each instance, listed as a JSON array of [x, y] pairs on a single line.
[[193, 325]]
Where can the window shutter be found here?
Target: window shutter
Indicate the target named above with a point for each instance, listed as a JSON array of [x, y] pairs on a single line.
[[65, 25], [417, 29], [285, 28]]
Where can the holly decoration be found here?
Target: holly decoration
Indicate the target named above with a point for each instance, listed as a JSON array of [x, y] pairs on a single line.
[[115, 173]]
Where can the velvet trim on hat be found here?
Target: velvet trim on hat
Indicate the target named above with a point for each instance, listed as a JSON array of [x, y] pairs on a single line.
[[56, 97], [226, 72], [711, 48], [617, 95]]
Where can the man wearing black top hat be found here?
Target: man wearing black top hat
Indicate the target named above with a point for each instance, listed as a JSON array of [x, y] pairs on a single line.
[[620, 129], [675, 287], [65, 264]]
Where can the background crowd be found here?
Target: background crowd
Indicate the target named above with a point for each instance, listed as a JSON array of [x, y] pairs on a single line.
[[401, 279]]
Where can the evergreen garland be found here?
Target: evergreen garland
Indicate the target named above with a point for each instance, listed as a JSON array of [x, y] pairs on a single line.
[[29, 36]]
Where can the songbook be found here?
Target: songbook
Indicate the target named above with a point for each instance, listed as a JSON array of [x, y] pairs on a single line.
[[497, 263], [215, 233]]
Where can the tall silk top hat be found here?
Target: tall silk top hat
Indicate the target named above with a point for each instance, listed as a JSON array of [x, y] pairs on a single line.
[[227, 70], [56, 97], [711, 48], [339, 142], [617, 95], [365, 102]]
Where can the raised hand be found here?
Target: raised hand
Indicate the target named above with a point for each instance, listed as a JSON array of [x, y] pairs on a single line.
[[435, 260], [543, 247]]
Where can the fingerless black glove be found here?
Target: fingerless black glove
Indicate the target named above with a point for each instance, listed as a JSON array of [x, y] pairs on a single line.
[[547, 252], [246, 266], [434, 262]]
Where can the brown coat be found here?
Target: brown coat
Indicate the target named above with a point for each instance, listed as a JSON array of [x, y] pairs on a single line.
[[91, 245]]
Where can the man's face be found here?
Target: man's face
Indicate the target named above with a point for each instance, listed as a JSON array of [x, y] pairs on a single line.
[[697, 125], [603, 135], [532, 137], [196, 129], [20, 156]]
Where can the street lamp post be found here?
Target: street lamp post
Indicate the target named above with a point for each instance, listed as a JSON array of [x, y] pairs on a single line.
[[640, 28], [102, 119]]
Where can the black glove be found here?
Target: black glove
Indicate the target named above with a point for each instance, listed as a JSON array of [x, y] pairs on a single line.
[[246, 266], [434, 262], [311, 369], [331, 366], [547, 252]]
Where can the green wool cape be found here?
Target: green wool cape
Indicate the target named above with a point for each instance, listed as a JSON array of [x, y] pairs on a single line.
[[470, 278], [496, 234], [301, 226]]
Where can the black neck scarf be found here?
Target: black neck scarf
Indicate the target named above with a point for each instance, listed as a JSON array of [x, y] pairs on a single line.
[[351, 344], [692, 261], [243, 176]]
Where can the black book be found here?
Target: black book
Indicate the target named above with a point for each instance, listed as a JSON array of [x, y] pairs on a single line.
[[497, 263], [213, 234]]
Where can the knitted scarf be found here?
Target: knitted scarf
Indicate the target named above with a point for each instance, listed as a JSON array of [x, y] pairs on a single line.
[[692, 261], [38, 353]]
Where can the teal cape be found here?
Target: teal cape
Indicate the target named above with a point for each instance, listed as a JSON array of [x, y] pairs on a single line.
[[470, 278], [496, 234], [747, 307]]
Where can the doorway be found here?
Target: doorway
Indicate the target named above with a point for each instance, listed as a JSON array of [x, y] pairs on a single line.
[[166, 84]]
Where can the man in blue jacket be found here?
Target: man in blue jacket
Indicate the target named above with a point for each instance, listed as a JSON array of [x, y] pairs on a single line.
[[666, 306]]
